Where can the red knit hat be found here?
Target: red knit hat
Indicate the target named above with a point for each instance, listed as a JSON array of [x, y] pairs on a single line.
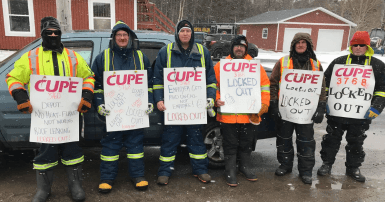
[[360, 37]]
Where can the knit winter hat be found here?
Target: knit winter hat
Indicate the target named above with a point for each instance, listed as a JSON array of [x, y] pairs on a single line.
[[183, 25], [360, 37], [238, 40], [49, 22]]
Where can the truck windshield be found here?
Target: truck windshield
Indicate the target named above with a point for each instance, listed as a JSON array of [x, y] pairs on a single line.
[[377, 33]]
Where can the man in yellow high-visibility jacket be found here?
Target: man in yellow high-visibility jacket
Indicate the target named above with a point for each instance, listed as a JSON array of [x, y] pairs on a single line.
[[51, 58]]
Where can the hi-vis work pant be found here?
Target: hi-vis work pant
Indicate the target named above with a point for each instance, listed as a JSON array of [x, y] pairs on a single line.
[[171, 138], [112, 142]]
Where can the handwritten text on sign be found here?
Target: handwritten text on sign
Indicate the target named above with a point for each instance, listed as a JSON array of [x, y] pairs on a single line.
[[185, 96], [240, 86], [351, 90], [299, 95], [126, 96], [55, 100]]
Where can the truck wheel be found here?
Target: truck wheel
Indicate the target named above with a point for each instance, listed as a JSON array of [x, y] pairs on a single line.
[[217, 53], [213, 141]]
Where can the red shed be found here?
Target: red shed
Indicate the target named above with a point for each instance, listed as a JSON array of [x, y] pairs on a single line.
[[274, 30], [20, 19]]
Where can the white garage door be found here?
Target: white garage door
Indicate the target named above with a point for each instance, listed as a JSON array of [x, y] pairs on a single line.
[[289, 34], [329, 40]]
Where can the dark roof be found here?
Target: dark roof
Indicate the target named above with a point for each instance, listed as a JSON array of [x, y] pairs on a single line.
[[275, 16]]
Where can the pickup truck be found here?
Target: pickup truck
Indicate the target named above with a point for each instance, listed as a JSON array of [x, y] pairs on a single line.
[[15, 126]]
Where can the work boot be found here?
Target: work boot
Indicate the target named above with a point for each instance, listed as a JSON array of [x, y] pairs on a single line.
[[231, 170], [281, 171], [324, 169], [105, 186], [355, 173], [306, 179], [44, 183], [162, 180], [140, 183], [205, 178], [244, 166], [74, 174]]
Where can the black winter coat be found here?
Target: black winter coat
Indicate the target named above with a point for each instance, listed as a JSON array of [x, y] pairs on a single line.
[[378, 102]]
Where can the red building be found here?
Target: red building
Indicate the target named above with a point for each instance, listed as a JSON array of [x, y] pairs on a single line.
[[274, 30], [20, 19]]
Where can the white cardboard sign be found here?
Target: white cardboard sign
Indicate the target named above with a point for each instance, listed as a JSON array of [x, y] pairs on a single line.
[[299, 94], [126, 96], [240, 86], [55, 100], [185, 96], [351, 90]]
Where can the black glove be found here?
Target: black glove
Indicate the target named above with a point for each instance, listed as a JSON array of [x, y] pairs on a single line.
[[274, 110], [319, 113], [22, 99], [85, 103]]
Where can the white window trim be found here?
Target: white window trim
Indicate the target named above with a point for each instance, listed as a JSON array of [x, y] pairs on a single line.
[[7, 27], [91, 12], [267, 29]]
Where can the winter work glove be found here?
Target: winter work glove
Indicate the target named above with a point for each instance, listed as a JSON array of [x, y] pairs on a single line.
[[274, 110], [150, 108], [103, 111], [318, 116], [327, 109], [210, 103], [22, 99], [372, 113], [255, 119], [85, 102]]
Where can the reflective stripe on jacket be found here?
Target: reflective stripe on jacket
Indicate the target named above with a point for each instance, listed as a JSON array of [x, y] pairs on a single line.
[[265, 95], [40, 62], [171, 56]]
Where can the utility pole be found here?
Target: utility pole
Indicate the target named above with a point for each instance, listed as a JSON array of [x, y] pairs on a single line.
[[63, 10]]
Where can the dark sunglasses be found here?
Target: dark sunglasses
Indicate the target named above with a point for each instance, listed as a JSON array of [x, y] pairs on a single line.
[[50, 32], [360, 45]]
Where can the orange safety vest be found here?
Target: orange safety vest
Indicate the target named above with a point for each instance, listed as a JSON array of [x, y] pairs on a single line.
[[242, 118]]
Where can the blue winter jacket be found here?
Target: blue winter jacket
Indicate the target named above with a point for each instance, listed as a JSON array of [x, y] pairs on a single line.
[[179, 60], [120, 59]]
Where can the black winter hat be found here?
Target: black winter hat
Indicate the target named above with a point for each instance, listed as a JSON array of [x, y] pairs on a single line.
[[239, 40], [183, 25], [49, 22]]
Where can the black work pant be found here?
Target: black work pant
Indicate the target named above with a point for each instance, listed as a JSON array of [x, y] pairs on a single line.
[[237, 137], [355, 136], [305, 146]]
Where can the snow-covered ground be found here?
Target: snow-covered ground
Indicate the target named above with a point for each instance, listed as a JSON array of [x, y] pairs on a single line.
[[324, 57], [4, 54]]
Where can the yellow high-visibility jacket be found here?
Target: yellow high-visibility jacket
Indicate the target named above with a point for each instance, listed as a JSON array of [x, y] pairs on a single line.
[[40, 62]]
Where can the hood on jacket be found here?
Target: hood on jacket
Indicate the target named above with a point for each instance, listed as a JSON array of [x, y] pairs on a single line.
[[239, 40], [309, 51], [178, 26], [120, 25]]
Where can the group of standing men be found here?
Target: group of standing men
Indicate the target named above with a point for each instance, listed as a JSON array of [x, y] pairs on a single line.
[[238, 130]]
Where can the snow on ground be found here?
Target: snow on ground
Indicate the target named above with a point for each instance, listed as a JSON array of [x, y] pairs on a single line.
[[4, 54], [269, 58]]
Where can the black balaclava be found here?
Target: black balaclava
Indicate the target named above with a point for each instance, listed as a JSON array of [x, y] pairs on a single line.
[[50, 42]]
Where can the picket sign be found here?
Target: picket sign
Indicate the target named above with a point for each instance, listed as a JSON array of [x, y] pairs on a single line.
[[351, 90], [55, 100], [240, 86], [185, 96], [126, 96], [299, 94]]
